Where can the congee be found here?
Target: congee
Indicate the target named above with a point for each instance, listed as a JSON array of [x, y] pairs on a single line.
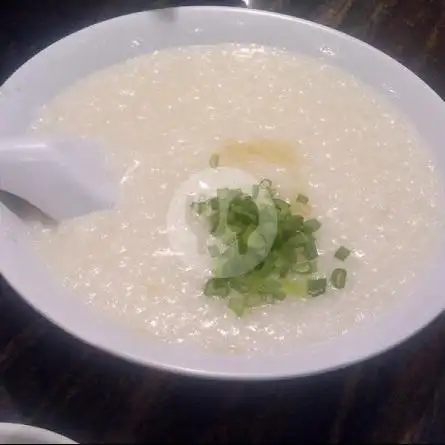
[[267, 199]]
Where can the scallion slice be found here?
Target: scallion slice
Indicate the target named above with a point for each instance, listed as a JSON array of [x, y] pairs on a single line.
[[255, 191], [302, 199], [217, 287], [296, 288], [214, 161], [342, 253], [310, 249], [237, 304], [304, 268], [265, 183], [338, 278], [316, 286], [214, 250], [311, 225], [254, 301]]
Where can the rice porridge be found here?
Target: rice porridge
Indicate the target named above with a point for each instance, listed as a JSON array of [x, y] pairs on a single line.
[[314, 130]]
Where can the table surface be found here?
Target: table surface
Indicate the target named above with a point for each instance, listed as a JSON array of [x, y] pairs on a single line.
[[51, 380]]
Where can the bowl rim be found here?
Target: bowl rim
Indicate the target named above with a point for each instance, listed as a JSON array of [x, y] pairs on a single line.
[[28, 432], [246, 369]]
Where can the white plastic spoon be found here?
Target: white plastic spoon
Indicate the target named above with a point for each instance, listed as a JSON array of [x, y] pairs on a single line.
[[64, 178]]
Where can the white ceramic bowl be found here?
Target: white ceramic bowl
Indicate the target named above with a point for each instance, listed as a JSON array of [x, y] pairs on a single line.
[[17, 433], [113, 41]]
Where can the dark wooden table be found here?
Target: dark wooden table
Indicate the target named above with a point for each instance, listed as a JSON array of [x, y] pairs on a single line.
[[51, 380]]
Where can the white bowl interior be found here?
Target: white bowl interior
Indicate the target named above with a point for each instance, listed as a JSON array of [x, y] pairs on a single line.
[[113, 41]]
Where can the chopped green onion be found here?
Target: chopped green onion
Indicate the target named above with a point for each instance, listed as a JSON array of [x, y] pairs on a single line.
[[317, 286], [265, 183], [256, 264], [282, 206], [284, 270], [257, 241], [217, 287], [302, 199], [268, 229], [288, 253], [269, 299], [214, 250], [222, 194], [293, 224], [254, 301], [279, 295], [240, 284], [297, 288], [338, 278], [214, 204], [237, 304], [267, 267], [300, 239], [311, 225], [310, 249], [342, 253], [270, 287], [214, 161], [304, 268], [213, 220], [199, 207]]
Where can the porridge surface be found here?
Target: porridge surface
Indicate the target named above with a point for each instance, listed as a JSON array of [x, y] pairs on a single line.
[[370, 181]]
